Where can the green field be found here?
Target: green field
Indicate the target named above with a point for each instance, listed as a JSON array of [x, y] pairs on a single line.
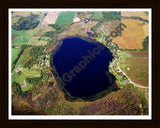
[[15, 52], [23, 36], [65, 18], [97, 15], [20, 78], [26, 72]]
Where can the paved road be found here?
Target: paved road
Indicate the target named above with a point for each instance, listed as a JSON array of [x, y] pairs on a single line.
[[140, 86]]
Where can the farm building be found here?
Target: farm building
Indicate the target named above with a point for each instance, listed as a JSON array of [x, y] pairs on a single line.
[[76, 19]]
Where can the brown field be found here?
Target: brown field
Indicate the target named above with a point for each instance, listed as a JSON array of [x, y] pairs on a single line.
[[26, 55], [50, 18], [137, 14], [138, 65], [79, 28], [133, 35], [108, 27], [14, 36]]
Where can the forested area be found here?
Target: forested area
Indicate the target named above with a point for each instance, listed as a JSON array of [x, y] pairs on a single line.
[[25, 23], [35, 52], [145, 43]]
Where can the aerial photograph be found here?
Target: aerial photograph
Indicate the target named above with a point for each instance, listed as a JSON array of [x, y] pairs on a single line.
[[79, 62]]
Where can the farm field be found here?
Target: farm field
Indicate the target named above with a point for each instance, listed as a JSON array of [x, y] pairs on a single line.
[[65, 18], [26, 55], [37, 41], [136, 66], [97, 16], [23, 36], [15, 52], [50, 18], [132, 36], [14, 36], [135, 14]]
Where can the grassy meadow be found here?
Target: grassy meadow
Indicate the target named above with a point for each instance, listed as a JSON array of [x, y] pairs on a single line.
[[65, 18], [14, 52]]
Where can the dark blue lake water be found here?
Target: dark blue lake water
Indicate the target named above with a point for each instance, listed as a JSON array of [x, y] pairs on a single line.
[[83, 66]]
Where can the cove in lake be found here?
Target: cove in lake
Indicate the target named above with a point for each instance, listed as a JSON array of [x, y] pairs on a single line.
[[90, 80]]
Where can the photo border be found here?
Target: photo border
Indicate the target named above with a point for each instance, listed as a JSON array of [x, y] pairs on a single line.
[[82, 117]]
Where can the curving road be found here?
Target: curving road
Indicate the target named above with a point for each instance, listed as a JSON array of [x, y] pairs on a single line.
[[140, 86]]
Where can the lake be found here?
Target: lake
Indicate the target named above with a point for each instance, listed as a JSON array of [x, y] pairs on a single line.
[[82, 64]]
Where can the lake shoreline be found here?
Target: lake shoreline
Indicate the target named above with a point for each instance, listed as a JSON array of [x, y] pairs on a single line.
[[68, 96]]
